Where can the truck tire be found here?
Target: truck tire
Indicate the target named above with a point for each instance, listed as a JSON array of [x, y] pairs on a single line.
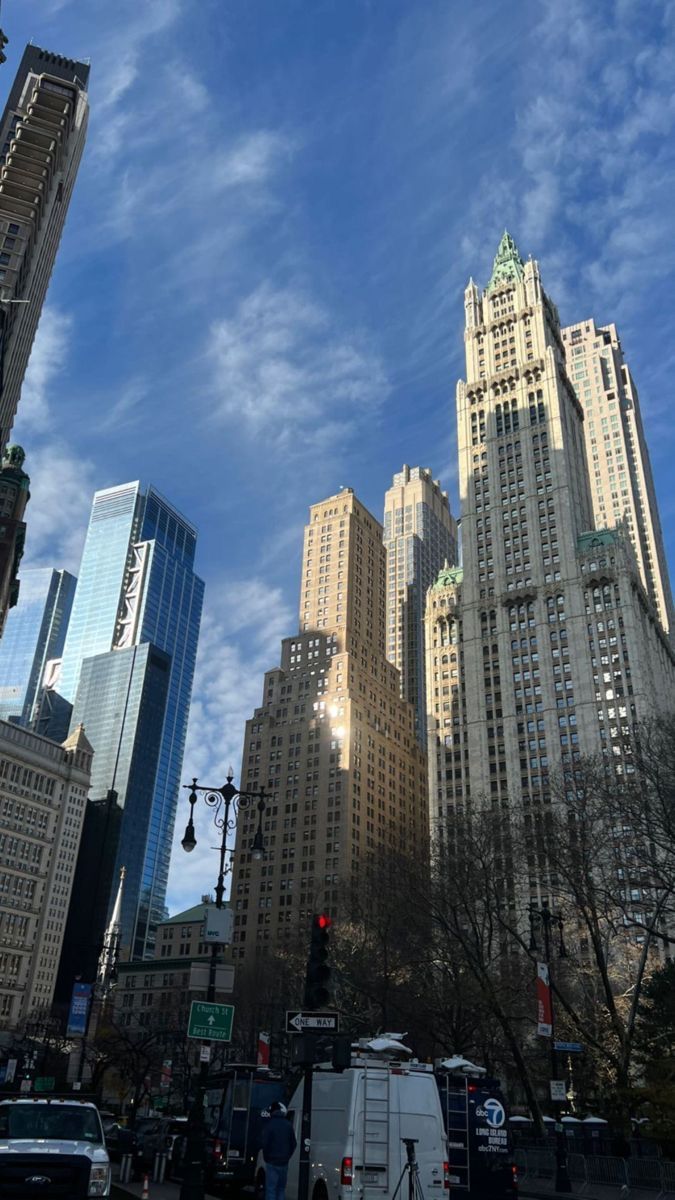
[[320, 1191], [259, 1191]]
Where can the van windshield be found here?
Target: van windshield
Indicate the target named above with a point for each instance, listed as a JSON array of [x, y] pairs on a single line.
[[66, 1123]]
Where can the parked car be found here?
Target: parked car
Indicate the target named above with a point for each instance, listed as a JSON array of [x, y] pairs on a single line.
[[54, 1145], [120, 1140]]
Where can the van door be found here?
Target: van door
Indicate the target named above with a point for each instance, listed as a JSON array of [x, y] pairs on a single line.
[[416, 1114]]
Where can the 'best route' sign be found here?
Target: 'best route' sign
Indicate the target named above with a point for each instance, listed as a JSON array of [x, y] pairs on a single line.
[[213, 1022]]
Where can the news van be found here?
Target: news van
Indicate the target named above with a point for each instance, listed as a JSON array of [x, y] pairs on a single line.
[[362, 1118], [480, 1152]]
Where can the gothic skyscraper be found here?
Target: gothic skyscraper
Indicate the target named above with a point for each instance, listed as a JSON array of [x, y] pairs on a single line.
[[545, 645]]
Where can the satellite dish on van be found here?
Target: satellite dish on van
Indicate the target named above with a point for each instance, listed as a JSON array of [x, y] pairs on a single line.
[[384, 1043], [458, 1063]]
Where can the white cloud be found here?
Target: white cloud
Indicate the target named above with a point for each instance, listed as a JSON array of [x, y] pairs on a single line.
[[48, 356], [280, 366], [242, 627], [61, 487]]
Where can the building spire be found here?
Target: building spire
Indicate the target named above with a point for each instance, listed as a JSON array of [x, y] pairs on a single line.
[[107, 963], [508, 265]]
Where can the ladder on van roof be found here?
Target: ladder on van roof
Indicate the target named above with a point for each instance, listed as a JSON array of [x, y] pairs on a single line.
[[455, 1101], [376, 1121]]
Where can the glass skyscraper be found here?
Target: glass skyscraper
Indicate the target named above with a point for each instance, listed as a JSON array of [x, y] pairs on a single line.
[[136, 588], [34, 634]]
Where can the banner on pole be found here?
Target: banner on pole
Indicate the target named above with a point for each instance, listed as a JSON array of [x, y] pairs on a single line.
[[544, 1005], [79, 1009], [263, 1049]]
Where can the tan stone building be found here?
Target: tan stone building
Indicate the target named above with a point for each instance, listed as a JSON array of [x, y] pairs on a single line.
[[547, 645], [622, 485], [332, 740], [43, 793], [420, 534]]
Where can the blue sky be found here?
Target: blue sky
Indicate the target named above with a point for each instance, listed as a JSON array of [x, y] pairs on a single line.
[[258, 297]]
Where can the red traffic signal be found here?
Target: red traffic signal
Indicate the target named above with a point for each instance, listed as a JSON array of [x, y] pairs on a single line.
[[317, 980], [323, 921]]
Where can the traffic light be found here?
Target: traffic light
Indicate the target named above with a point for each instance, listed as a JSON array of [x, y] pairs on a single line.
[[3, 42], [317, 983]]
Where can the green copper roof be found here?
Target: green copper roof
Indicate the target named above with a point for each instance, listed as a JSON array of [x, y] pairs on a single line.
[[598, 537], [508, 265], [196, 913], [447, 576]]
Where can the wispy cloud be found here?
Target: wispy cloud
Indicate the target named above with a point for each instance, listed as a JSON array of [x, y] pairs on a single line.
[[242, 628], [280, 365], [62, 481], [47, 359]]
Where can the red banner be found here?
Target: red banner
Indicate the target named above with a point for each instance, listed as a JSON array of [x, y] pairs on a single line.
[[544, 1005], [263, 1049]]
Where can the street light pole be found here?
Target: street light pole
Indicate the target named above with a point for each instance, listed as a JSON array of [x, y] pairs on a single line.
[[225, 802], [544, 918]]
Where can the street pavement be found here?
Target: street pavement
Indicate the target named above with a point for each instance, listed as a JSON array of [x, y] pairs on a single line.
[[156, 1191]]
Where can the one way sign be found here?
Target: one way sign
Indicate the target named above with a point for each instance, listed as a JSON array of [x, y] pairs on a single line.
[[312, 1022]]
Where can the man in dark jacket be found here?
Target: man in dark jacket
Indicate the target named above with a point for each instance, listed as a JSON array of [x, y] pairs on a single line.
[[278, 1144]]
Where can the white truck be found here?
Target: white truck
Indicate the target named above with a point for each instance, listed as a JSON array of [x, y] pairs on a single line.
[[362, 1118], [52, 1147]]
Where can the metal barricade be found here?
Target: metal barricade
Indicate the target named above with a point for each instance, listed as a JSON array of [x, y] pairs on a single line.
[[159, 1166], [610, 1171], [576, 1168], [541, 1164], [644, 1173], [126, 1165], [520, 1159], [668, 1177]]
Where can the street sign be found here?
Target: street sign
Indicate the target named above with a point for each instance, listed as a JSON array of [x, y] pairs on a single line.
[[569, 1047], [199, 977], [205, 1054], [24, 1086], [558, 1089], [213, 1022], [218, 923], [45, 1083], [312, 1022]]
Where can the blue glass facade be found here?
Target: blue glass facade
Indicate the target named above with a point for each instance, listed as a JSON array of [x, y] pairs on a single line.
[[137, 587], [34, 634], [122, 702]]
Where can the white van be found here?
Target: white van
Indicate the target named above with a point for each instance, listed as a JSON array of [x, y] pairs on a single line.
[[359, 1118]]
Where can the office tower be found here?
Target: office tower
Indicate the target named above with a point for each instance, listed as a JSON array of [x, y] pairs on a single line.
[[34, 636], [42, 133], [43, 793], [14, 496], [556, 646], [333, 741], [124, 696], [622, 485], [137, 600], [420, 534]]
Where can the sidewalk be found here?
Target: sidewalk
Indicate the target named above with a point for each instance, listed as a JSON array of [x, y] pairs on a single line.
[[156, 1191]]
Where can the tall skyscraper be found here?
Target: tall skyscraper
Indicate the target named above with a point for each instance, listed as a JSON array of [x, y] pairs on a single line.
[[622, 485], [34, 635], [546, 645], [420, 534], [43, 795], [42, 134], [333, 741], [127, 668]]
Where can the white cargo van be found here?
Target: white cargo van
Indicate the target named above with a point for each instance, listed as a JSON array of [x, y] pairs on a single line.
[[359, 1118]]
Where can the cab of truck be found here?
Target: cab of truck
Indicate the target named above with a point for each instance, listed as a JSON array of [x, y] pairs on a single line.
[[54, 1146]]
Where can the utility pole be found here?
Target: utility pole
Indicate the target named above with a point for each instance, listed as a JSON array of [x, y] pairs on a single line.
[[317, 994]]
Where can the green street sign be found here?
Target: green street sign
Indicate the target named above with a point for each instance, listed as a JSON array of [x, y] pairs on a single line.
[[211, 1022], [45, 1083]]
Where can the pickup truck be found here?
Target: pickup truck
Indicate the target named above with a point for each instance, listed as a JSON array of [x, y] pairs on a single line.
[[52, 1148]]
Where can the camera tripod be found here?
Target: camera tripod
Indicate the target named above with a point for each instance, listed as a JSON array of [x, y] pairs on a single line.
[[412, 1170]]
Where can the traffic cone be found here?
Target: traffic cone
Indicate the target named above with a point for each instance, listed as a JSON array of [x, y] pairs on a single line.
[[145, 1194]]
